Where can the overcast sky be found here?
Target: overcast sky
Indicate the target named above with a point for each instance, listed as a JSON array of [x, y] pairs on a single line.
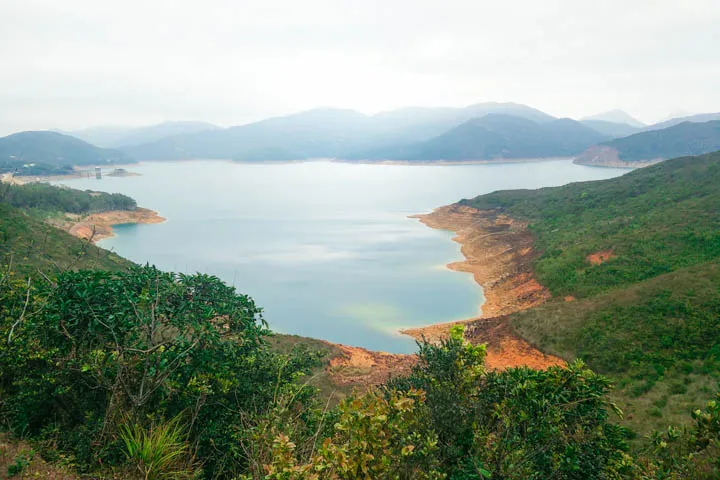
[[77, 63]]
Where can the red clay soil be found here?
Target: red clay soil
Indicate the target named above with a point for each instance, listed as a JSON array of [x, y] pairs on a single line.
[[99, 225], [499, 253], [356, 366], [600, 257], [505, 349]]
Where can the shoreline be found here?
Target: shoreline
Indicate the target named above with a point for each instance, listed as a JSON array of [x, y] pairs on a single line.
[[24, 179], [431, 163], [98, 226], [499, 253]]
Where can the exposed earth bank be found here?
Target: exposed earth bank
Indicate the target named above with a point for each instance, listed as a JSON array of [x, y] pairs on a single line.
[[498, 251], [98, 226], [605, 156]]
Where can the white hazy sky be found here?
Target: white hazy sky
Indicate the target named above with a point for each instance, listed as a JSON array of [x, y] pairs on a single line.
[[77, 63]]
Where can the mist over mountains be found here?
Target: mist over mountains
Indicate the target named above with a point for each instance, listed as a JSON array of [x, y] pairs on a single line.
[[481, 132], [113, 137]]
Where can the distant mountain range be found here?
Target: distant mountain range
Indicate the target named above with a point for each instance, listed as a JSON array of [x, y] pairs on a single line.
[[611, 129], [679, 140], [52, 152], [114, 137], [324, 133], [485, 131], [616, 116], [699, 118], [494, 137]]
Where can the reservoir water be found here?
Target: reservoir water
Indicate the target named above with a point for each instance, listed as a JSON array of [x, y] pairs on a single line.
[[327, 249]]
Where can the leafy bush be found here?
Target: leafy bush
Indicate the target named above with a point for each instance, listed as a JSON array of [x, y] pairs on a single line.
[[97, 348], [376, 436]]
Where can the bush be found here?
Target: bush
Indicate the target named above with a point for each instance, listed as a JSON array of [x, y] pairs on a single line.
[[677, 388], [97, 348]]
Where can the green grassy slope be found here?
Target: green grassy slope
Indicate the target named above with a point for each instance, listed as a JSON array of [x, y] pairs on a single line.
[[649, 316], [30, 246], [655, 220], [659, 340]]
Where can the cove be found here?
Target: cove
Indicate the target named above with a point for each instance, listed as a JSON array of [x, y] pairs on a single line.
[[326, 248]]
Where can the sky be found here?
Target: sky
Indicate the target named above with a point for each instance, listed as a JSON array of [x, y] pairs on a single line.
[[78, 63]]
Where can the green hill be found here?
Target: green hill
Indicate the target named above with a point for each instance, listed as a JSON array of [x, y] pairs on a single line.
[[683, 139], [496, 137], [50, 152], [31, 247], [649, 316]]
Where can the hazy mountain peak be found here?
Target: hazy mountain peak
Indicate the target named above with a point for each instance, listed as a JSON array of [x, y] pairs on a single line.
[[616, 116], [119, 136], [697, 118]]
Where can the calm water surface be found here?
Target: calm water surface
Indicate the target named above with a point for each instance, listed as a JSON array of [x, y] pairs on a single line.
[[325, 248]]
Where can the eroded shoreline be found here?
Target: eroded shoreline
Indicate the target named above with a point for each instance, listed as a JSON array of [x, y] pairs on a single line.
[[98, 226], [499, 253]]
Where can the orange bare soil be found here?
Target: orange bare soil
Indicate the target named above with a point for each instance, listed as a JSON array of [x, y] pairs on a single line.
[[499, 253], [99, 225], [599, 257], [356, 366]]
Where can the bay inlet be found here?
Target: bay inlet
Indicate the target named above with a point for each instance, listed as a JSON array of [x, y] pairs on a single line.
[[326, 248]]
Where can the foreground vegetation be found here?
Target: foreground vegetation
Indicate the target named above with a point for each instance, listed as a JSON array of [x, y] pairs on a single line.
[[159, 375]]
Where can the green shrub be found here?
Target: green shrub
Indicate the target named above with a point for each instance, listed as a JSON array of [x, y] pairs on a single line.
[[677, 388]]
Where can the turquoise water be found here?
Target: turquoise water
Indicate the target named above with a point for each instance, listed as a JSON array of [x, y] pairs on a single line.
[[325, 248]]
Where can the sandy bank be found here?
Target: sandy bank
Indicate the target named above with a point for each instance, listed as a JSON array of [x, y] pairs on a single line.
[[11, 179], [499, 253], [99, 225]]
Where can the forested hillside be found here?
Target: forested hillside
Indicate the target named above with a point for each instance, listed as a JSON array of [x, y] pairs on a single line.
[[47, 198], [29, 246], [31, 153], [637, 258], [686, 138]]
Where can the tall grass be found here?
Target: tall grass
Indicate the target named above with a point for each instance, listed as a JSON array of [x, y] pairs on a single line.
[[159, 451]]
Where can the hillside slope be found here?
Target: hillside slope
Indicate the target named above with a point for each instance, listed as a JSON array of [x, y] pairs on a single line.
[[29, 246], [25, 152], [652, 146], [697, 118], [495, 137], [633, 266]]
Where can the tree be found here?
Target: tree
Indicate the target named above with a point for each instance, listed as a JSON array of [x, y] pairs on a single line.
[[104, 348]]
